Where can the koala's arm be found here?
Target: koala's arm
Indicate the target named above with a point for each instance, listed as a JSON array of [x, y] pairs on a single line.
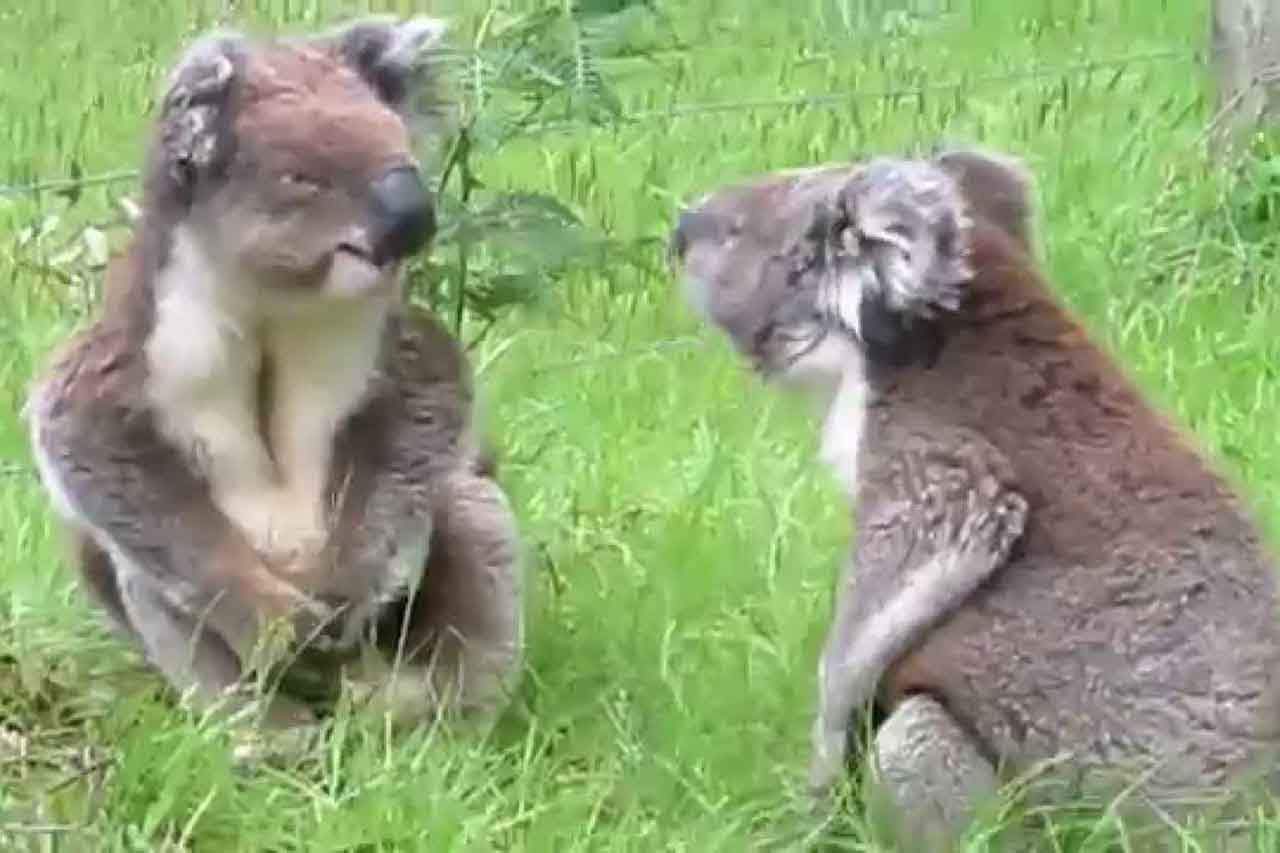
[[938, 516], [395, 456], [113, 475], [427, 544]]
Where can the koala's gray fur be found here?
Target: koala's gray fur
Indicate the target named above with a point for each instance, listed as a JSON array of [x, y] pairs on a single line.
[[1044, 569], [256, 427]]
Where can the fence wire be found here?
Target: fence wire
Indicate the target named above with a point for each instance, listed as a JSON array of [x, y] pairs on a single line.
[[826, 100], [836, 99]]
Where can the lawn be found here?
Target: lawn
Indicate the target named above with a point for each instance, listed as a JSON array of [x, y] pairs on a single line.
[[682, 540]]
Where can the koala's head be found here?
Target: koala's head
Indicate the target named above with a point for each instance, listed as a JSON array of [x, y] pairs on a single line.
[[289, 164], [802, 266]]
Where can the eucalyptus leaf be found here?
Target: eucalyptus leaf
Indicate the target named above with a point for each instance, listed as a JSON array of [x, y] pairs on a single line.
[[525, 72]]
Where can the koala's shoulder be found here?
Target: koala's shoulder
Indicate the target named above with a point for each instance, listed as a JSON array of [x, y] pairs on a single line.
[[96, 377], [100, 370], [425, 353]]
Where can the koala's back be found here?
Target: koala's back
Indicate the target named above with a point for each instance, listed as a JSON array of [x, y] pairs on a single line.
[[1137, 619]]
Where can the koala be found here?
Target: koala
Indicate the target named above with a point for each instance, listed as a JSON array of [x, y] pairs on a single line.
[[1046, 574], [257, 429]]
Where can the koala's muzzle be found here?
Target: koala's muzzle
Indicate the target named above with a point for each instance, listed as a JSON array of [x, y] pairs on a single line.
[[403, 215], [693, 225]]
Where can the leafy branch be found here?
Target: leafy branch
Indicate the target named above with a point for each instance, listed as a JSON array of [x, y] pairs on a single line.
[[496, 249], [500, 248]]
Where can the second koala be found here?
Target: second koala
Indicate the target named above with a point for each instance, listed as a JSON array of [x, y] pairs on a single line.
[[1046, 573]]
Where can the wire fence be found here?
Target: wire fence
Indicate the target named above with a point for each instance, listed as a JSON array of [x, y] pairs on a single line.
[[822, 101], [830, 100]]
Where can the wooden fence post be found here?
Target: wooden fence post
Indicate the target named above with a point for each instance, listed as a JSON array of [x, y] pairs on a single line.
[[1246, 51]]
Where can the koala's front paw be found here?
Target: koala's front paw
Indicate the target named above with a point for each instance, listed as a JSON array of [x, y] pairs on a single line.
[[289, 620], [977, 528], [252, 747], [992, 527], [319, 624]]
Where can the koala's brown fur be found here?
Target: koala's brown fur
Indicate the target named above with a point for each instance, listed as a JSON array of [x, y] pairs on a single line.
[[1045, 568], [257, 427]]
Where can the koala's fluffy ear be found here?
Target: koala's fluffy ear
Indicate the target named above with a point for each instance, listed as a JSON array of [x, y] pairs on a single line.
[[896, 253], [390, 53], [998, 188], [194, 125]]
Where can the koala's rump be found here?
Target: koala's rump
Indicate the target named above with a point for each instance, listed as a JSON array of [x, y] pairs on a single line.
[[1167, 651]]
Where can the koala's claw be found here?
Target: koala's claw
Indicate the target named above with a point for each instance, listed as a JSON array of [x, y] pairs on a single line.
[[253, 747], [321, 625], [1000, 526], [994, 528]]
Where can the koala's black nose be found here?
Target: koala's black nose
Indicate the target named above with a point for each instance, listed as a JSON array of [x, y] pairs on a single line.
[[692, 226], [403, 215], [677, 245]]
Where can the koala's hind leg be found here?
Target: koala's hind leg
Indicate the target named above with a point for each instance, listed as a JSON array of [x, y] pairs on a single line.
[[195, 661], [191, 655], [98, 577], [930, 774], [464, 638]]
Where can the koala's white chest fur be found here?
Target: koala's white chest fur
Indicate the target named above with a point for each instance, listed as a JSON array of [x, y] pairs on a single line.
[[205, 355], [836, 371], [843, 428]]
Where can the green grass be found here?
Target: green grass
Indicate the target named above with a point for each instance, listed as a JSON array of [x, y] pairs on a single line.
[[682, 539]]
